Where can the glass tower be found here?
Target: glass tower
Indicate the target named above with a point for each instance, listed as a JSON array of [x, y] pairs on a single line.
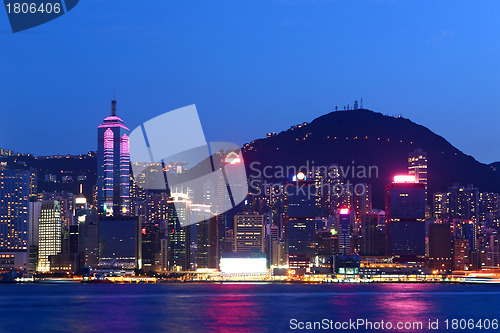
[[113, 169], [14, 199]]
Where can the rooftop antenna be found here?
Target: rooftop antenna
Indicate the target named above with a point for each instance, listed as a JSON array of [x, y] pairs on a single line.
[[361, 104], [113, 105]]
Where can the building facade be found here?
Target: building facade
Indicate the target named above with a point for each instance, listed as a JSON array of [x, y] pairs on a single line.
[[113, 166]]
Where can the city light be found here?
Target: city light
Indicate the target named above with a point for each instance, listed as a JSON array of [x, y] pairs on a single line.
[[243, 265], [404, 179]]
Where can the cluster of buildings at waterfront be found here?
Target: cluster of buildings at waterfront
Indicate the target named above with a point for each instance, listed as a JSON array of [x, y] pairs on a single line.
[[283, 231]]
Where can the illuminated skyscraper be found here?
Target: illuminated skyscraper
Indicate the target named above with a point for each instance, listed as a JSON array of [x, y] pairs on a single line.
[[405, 214], [14, 194], [178, 247], [249, 232], [300, 226], [207, 255], [417, 166], [14, 224], [344, 229], [113, 168], [50, 226]]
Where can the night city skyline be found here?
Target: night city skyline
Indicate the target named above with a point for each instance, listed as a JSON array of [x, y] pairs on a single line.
[[249, 166]]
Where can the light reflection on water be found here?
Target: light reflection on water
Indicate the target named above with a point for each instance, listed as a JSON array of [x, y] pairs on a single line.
[[231, 307]]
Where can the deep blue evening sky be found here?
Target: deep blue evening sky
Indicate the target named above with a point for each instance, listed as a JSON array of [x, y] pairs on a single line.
[[252, 66]]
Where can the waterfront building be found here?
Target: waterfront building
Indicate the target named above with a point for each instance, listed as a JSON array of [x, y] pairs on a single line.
[[120, 241], [14, 215], [50, 232], [405, 214], [440, 256], [373, 234], [344, 231], [207, 255], [300, 221], [178, 246]]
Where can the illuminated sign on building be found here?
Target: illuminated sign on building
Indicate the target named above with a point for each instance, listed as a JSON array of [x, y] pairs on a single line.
[[404, 179], [243, 265]]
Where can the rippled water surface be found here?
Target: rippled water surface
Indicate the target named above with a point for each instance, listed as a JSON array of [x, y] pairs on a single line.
[[235, 307]]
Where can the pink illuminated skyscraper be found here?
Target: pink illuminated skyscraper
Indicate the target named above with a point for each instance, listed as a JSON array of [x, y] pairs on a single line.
[[113, 169]]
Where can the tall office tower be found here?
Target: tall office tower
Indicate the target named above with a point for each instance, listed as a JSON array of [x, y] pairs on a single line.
[[153, 211], [178, 247], [120, 241], [207, 255], [461, 259], [405, 214], [344, 231], [417, 166], [14, 218], [373, 234], [197, 212], [88, 233], [50, 227], [249, 232], [440, 247], [273, 245], [360, 204], [300, 221], [113, 166]]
